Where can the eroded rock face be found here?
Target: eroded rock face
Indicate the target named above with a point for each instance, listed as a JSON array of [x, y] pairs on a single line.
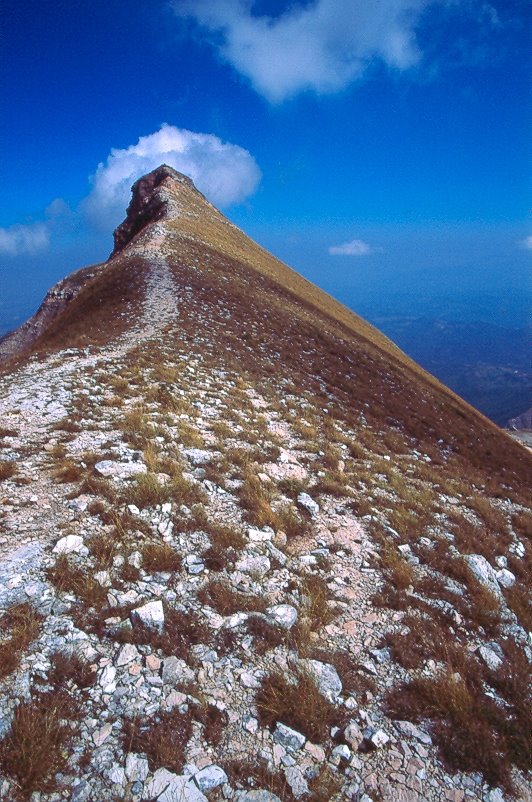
[[55, 301], [147, 205]]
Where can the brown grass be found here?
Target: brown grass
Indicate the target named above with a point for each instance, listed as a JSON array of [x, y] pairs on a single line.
[[469, 728], [522, 524], [315, 606], [395, 568], [19, 626], [7, 469], [36, 746], [70, 578], [225, 600], [160, 556], [181, 631], [163, 740], [214, 722], [295, 701], [254, 773], [70, 667]]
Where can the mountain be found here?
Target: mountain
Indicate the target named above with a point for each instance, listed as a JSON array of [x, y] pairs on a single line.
[[249, 550]]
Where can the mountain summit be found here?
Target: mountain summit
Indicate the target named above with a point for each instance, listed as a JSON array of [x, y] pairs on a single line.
[[249, 550]]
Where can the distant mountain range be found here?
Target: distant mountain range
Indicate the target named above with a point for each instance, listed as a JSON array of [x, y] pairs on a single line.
[[488, 365]]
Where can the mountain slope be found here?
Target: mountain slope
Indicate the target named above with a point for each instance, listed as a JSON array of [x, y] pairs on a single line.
[[274, 519]]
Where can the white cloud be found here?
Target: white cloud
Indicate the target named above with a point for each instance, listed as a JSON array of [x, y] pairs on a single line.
[[356, 247], [24, 239], [322, 46], [225, 173], [527, 243]]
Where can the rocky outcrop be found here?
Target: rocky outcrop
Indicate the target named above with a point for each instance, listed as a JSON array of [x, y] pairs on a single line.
[[55, 302], [148, 204]]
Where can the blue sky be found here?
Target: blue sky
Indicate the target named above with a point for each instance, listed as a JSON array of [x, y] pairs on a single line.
[[382, 149]]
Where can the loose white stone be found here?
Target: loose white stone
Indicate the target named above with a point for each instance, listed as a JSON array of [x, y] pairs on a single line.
[[287, 737], [411, 731], [284, 615], [150, 615], [305, 501], [210, 777], [326, 678], [102, 734], [121, 470], [254, 565], [182, 789], [136, 768], [127, 654], [68, 544], [483, 572], [260, 535], [505, 578]]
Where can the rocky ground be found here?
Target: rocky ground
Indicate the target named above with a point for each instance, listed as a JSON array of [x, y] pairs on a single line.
[[190, 580]]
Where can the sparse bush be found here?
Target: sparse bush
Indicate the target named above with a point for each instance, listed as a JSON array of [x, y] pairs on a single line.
[[181, 631], [246, 773], [315, 605], [67, 577], [266, 636], [466, 726], [214, 722]]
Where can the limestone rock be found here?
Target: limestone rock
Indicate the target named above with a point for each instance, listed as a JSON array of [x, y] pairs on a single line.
[[68, 545], [311, 506], [120, 470], [483, 572], [284, 615], [326, 678], [210, 777], [287, 737], [150, 615]]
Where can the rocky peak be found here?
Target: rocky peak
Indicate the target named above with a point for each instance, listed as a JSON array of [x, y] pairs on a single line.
[[149, 203]]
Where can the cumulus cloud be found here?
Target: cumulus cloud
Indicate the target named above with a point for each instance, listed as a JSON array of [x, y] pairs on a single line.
[[322, 46], [225, 173], [24, 239], [356, 247], [527, 243]]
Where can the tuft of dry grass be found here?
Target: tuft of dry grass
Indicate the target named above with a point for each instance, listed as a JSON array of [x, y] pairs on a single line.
[[35, 748], [163, 740], [468, 726], [69, 578], [266, 635], [297, 702], [7, 469], [214, 722], [19, 626], [522, 524], [395, 568], [147, 491], [254, 773], [181, 631], [70, 667], [255, 499], [315, 601], [225, 600], [160, 556]]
